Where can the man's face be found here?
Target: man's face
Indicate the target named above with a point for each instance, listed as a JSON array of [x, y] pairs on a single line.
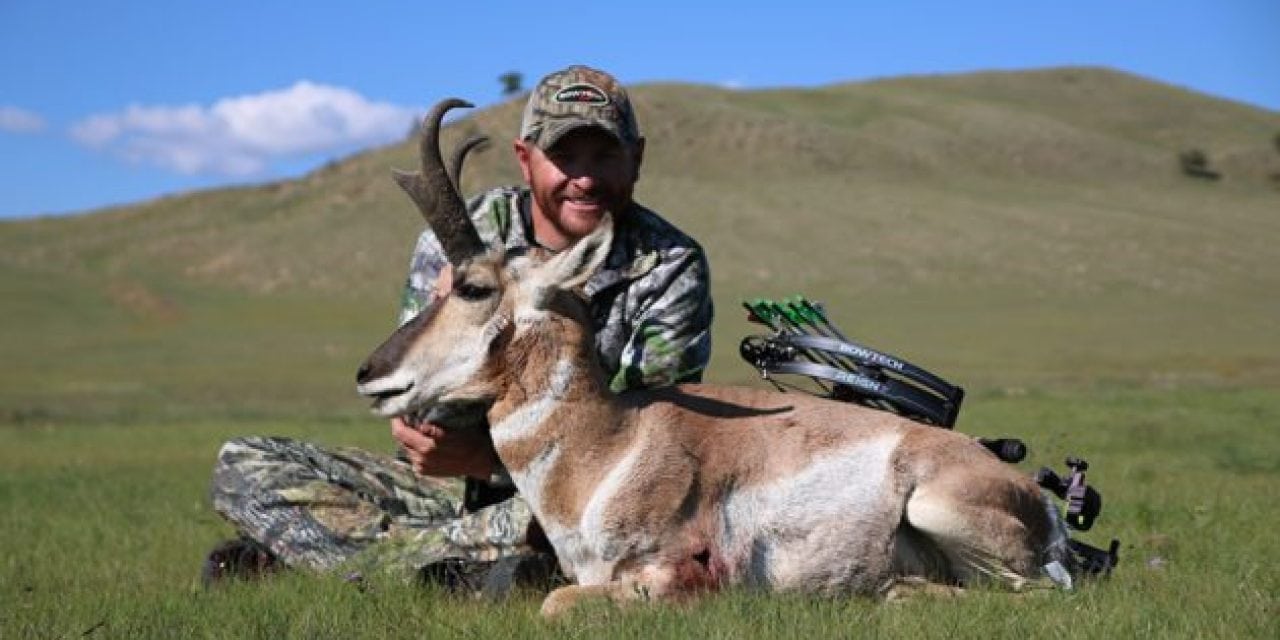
[[586, 173]]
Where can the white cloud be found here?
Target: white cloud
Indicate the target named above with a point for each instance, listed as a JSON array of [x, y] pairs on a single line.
[[16, 120], [242, 135], [96, 131]]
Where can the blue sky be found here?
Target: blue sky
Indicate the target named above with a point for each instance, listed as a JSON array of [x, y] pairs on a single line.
[[113, 102]]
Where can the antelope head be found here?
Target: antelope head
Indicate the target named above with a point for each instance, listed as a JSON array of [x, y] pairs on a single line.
[[447, 356]]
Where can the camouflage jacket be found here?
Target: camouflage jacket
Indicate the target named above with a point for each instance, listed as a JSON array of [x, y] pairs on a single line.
[[650, 302]]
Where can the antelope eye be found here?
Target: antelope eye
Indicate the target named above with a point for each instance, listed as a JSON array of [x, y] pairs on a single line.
[[473, 292]]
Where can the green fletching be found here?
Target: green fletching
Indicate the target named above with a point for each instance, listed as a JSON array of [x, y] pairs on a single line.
[[796, 310], [772, 307], [798, 306], [816, 311], [812, 314], [790, 314], [761, 308]]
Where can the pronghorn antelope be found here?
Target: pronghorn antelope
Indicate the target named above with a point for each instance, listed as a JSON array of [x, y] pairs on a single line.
[[665, 493]]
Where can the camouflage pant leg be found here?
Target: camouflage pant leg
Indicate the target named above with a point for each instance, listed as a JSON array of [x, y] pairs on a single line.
[[319, 508], [494, 532]]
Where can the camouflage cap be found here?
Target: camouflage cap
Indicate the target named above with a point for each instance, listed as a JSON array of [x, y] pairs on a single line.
[[578, 96]]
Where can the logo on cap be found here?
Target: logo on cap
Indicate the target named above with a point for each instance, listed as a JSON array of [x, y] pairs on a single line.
[[582, 94]]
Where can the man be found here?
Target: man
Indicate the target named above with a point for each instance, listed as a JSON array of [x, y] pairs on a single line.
[[580, 152]]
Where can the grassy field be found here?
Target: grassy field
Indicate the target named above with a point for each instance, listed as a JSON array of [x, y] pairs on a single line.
[[102, 528], [1026, 235]]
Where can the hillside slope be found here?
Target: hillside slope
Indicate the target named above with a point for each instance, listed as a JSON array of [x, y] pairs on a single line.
[[1007, 229]]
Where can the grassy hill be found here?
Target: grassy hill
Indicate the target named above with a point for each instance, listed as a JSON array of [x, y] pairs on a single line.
[[1028, 235], [1011, 231]]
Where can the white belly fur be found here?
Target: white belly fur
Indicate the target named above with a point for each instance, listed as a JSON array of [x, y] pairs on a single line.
[[823, 529]]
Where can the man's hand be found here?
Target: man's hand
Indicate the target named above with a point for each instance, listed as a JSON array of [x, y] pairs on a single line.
[[433, 451]]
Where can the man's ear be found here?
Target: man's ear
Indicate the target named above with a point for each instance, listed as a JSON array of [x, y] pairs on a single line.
[[523, 151], [573, 266]]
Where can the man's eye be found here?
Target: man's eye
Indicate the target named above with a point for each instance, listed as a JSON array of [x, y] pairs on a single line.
[[473, 291]]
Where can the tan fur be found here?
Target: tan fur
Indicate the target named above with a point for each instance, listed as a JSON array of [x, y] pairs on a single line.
[[661, 494]]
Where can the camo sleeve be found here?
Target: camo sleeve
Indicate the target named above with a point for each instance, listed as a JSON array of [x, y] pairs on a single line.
[[491, 213], [670, 340], [425, 265]]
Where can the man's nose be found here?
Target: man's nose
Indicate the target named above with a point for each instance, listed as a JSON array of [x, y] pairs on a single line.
[[584, 180]]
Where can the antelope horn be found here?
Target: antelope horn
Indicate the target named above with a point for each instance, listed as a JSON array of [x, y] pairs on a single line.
[[478, 142], [435, 194]]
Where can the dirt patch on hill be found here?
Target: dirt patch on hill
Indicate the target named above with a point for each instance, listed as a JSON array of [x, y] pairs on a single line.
[[142, 302]]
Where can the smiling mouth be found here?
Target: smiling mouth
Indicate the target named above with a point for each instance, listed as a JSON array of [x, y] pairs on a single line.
[[583, 201]]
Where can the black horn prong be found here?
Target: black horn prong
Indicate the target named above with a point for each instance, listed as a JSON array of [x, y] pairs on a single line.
[[435, 193], [476, 142]]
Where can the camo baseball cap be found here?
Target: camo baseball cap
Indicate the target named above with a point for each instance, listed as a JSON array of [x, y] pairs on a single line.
[[578, 96]]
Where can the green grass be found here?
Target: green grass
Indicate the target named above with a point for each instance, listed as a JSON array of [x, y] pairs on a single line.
[[102, 528], [1026, 235]]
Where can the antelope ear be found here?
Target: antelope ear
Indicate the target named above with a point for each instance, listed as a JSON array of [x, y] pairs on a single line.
[[573, 266]]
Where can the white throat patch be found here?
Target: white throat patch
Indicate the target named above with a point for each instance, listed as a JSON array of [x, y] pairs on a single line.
[[524, 421]]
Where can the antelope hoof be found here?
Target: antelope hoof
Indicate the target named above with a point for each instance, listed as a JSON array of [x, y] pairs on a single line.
[[559, 602]]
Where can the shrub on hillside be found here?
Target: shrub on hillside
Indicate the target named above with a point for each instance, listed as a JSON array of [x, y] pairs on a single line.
[[1195, 163]]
